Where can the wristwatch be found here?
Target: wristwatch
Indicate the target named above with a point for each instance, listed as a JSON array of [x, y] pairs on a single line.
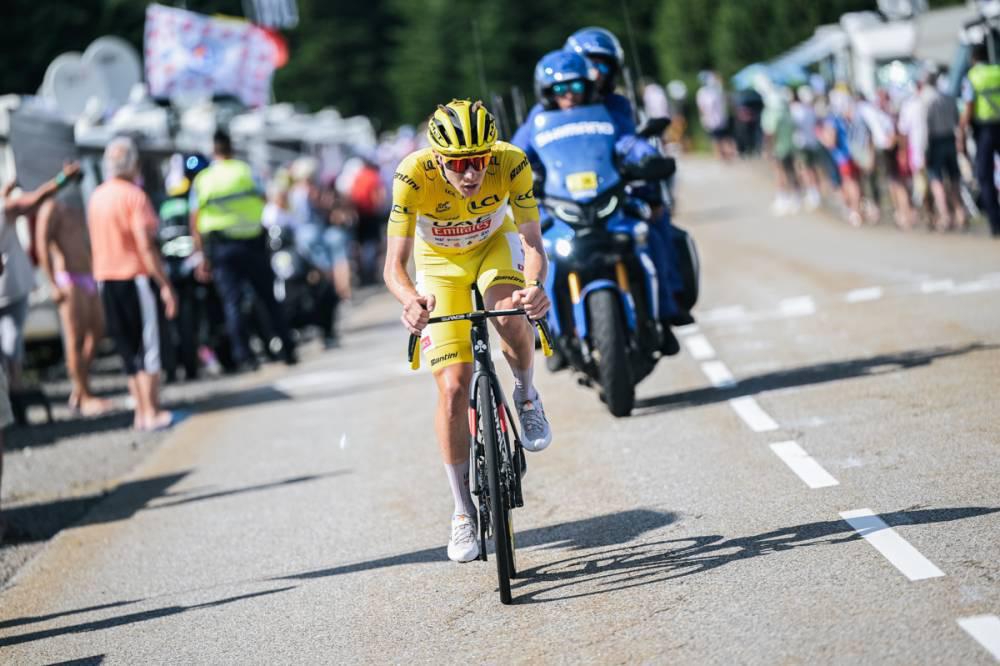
[[533, 283]]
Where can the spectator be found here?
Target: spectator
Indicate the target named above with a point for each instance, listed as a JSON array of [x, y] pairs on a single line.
[[808, 151], [711, 100], [368, 195], [913, 133], [63, 248], [226, 210], [942, 159], [17, 277], [778, 126], [981, 94], [323, 240], [833, 135], [125, 259]]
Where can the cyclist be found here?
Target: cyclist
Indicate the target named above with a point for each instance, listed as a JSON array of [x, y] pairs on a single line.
[[464, 208]]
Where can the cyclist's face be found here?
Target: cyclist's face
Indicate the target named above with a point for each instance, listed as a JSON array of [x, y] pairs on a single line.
[[467, 182]]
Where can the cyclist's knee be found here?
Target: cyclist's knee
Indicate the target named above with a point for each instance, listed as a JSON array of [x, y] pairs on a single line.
[[453, 386]]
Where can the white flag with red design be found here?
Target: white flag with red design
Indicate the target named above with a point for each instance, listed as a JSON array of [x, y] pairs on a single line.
[[190, 54]]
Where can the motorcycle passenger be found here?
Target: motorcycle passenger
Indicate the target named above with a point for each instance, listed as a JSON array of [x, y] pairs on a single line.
[[464, 207], [226, 226], [563, 80]]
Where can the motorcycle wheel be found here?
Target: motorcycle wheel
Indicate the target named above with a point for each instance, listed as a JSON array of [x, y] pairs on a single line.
[[610, 352]]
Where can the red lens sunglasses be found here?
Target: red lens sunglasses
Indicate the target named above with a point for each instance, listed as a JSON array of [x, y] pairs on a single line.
[[460, 164]]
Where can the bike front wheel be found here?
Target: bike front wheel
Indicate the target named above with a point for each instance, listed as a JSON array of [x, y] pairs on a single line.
[[497, 460]]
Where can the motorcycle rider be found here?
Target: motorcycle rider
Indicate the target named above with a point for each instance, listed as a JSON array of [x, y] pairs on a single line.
[[564, 79]]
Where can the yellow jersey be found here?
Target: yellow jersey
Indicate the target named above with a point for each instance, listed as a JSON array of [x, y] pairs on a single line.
[[426, 206]]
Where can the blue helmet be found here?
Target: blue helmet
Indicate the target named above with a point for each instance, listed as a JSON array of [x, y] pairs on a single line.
[[595, 41], [561, 67]]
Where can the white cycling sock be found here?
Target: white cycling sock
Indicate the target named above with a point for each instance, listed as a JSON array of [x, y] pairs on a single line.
[[458, 479], [523, 387]]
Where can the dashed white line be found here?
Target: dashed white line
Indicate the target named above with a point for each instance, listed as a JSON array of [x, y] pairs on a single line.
[[718, 374], [699, 347], [689, 329], [804, 465], [893, 547], [934, 286], [728, 313], [752, 414], [974, 287], [799, 306], [864, 294], [986, 630]]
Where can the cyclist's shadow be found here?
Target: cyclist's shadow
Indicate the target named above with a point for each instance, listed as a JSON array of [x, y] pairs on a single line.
[[627, 565]]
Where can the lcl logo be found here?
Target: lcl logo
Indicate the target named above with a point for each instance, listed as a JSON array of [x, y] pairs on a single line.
[[491, 200]]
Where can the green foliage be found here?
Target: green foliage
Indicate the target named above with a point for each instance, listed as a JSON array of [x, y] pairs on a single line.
[[395, 59]]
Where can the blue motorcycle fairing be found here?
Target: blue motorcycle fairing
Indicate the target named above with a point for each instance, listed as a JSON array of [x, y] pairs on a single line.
[[577, 149]]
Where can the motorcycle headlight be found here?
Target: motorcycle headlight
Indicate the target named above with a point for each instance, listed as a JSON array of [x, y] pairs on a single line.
[[608, 208], [563, 247]]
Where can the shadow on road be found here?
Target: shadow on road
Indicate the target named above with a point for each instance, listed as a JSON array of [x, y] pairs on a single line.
[[38, 522], [806, 376], [654, 562], [131, 618], [188, 498], [597, 532]]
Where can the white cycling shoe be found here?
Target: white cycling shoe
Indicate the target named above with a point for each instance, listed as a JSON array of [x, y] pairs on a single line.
[[534, 426], [463, 546]]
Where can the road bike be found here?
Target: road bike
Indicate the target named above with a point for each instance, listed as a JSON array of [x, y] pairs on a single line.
[[497, 454]]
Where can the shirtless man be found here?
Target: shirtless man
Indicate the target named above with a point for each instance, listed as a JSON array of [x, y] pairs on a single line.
[[64, 254]]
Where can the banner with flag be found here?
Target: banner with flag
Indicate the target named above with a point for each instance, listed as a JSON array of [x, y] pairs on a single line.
[[189, 54]]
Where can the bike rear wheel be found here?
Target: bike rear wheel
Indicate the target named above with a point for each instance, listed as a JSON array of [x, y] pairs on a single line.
[[497, 460]]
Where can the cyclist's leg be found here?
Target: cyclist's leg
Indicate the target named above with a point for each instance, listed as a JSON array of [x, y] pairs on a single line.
[[500, 275], [449, 354]]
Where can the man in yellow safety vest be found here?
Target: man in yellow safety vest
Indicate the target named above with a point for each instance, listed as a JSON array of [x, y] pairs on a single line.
[[981, 94], [226, 208]]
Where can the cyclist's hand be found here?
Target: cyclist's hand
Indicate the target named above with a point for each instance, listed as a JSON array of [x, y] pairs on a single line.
[[534, 300], [416, 312]]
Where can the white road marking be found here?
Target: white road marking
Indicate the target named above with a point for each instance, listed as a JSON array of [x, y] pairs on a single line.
[[934, 286], [752, 414], [718, 374], [699, 347], [804, 465], [986, 630], [799, 306], [893, 547], [728, 313], [864, 294], [974, 287]]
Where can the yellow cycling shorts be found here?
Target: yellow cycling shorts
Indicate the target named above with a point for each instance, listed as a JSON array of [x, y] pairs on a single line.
[[449, 277]]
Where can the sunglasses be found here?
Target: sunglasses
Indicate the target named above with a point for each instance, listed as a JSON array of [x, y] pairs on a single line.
[[460, 164], [602, 67], [576, 87]]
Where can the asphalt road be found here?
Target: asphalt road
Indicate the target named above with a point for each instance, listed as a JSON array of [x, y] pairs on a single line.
[[813, 480]]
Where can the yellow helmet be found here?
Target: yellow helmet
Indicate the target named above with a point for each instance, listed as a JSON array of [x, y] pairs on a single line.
[[461, 127]]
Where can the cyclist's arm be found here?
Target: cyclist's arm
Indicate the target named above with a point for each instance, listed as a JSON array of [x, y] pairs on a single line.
[[397, 278], [525, 209]]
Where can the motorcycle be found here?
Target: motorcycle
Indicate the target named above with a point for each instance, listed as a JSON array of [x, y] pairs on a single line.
[[306, 295], [603, 282], [199, 323]]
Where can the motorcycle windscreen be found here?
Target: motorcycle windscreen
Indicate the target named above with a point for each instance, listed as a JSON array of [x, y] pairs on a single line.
[[577, 149]]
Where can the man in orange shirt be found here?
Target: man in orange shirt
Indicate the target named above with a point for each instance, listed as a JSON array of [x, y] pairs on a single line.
[[122, 225]]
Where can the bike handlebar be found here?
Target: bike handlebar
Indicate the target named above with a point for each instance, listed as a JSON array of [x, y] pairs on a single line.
[[478, 316]]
